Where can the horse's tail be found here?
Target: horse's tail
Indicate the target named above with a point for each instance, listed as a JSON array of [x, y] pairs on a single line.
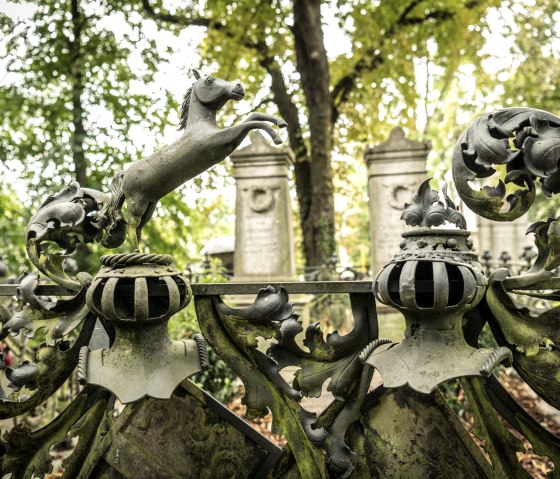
[[110, 218]]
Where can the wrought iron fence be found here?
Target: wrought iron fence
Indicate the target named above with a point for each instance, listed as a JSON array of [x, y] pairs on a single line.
[[111, 330]]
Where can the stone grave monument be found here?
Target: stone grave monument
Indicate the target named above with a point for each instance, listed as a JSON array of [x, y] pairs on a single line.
[[496, 237], [264, 239], [396, 168]]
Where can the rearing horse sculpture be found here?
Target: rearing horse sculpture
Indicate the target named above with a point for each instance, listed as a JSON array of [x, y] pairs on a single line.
[[202, 145]]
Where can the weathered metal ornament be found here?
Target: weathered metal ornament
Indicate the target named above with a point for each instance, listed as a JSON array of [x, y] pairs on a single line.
[[138, 293], [201, 146], [433, 281]]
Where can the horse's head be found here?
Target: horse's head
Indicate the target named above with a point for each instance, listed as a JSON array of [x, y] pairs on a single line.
[[214, 92]]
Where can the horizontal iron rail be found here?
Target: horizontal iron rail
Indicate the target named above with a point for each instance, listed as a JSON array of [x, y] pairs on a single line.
[[292, 287], [215, 289]]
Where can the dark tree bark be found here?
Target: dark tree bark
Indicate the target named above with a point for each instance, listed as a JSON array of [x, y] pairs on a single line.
[[79, 133], [77, 77], [312, 64]]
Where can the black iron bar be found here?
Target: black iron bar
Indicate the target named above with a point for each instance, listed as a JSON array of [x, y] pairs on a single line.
[[211, 289]]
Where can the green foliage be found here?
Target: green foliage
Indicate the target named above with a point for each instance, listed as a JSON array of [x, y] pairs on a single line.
[[374, 85], [455, 397], [383, 44], [52, 56], [182, 227], [388, 42], [352, 219], [532, 76], [219, 380], [448, 33], [80, 84], [12, 226], [517, 66]]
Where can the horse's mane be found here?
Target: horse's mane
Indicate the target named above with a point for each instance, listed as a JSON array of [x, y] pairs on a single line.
[[185, 108]]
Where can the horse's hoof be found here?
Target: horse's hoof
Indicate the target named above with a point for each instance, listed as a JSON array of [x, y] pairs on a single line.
[[278, 141], [281, 124]]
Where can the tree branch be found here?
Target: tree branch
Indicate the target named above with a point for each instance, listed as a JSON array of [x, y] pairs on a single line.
[[283, 100], [411, 6], [372, 60], [183, 20], [433, 15], [77, 77]]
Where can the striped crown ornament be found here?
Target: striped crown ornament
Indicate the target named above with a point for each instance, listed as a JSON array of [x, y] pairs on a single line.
[[433, 280]]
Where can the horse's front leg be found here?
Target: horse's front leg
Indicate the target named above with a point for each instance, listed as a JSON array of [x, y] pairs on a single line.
[[279, 122], [238, 132]]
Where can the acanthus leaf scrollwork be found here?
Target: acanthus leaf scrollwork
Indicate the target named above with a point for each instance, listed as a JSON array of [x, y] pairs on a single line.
[[234, 332], [526, 141]]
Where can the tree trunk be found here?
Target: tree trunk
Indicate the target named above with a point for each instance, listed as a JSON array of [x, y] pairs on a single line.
[[77, 73], [77, 79], [314, 181]]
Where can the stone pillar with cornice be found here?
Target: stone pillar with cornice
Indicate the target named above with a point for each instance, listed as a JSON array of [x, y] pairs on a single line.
[[264, 238], [396, 168]]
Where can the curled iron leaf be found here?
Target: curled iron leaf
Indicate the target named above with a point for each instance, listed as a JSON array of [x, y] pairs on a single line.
[[24, 375], [225, 334], [58, 317], [547, 241], [428, 211], [64, 219], [4, 318], [334, 358], [414, 213], [28, 321], [542, 148], [26, 291], [524, 139], [53, 366], [270, 305], [27, 452]]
